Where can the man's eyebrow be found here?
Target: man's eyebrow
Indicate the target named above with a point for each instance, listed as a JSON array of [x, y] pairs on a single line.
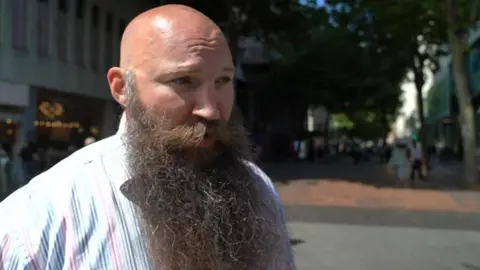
[[185, 69], [229, 69], [194, 69]]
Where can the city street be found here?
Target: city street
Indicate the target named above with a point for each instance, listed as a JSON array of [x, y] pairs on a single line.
[[185, 90], [342, 216]]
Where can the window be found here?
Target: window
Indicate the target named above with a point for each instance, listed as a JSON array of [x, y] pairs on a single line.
[[62, 6], [108, 40], [62, 25], [79, 33], [121, 27], [454, 108], [94, 39], [80, 9], [43, 33], [79, 45], [95, 16], [19, 23], [109, 22], [2, 15], [476, 60]]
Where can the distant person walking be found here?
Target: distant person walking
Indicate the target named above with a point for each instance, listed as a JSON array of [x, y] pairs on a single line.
[[398, 162], [416, 160], [4, 171], [356, 152], [29, 158], [89, 140]]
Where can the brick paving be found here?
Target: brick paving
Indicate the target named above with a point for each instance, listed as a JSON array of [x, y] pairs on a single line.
[[345, 194], [366, 186]]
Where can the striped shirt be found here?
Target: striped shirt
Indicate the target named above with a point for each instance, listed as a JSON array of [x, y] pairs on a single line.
[[74, 216]]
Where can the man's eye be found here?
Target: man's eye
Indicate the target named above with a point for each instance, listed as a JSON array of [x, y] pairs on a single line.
[[182, 80], [223, 80]]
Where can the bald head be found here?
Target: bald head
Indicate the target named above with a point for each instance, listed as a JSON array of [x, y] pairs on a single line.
[[162, 26]]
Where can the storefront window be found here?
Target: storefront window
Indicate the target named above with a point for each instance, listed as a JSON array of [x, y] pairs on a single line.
[[67, 118], [8, 131]]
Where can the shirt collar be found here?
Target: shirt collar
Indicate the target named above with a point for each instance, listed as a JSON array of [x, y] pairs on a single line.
[[118, 172], [122, 126], [115, 159]]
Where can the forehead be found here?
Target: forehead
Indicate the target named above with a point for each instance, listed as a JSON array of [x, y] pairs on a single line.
[[189, 46]]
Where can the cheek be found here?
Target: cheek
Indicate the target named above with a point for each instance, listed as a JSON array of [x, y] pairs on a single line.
[[169, 103], [179, 115]]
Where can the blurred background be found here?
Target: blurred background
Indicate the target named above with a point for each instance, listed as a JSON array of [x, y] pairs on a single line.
[[365, 113]]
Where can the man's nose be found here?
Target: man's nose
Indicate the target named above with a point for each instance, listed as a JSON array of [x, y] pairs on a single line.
[[206, 105]]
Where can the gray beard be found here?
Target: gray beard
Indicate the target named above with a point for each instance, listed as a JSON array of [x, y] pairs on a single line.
[[195, 218]]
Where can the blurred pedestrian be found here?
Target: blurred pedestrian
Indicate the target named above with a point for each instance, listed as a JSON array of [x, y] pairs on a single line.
[[399, 164], [30, 161], [416, 160], [356, 152], [89, 140], [4, 171]]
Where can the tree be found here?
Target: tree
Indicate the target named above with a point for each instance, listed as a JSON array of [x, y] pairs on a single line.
[[348, 77], [389, 25], [374, 118], [461, 16], [419, 31], [264, 18]]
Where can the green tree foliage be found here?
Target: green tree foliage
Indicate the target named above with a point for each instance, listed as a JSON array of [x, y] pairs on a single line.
[[408, 29], [338, 68]]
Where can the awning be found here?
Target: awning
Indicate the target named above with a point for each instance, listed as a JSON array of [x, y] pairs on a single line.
[[14, 94]]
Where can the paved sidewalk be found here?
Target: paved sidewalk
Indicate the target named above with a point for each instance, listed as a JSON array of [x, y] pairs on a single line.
[[342, 216], [321, 246]]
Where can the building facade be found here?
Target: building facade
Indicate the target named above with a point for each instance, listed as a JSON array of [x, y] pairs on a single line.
[[54, 55], [441, 105]]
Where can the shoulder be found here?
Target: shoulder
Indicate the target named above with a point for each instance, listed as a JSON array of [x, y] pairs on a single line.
[[33, 213], [272, 210], [267, 192], [262, 178], [56, 184]]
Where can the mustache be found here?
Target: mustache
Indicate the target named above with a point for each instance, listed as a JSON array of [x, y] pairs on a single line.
[[192, 134]]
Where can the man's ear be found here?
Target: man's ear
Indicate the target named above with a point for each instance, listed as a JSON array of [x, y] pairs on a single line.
[[116, 82]]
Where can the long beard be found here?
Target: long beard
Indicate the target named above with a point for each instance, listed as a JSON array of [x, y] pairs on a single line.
[[194, 218]]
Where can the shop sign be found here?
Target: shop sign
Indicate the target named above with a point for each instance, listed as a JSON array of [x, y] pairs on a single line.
[[51, 110]]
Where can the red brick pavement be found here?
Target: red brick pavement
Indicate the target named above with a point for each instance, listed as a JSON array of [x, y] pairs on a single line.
[[336, 192]]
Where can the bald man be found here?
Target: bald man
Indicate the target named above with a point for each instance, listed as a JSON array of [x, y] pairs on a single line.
[[174, 189]]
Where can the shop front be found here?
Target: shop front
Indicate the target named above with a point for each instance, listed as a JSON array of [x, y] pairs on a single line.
[[66, 118], [14, 101], [14, 108], [10, 124]]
